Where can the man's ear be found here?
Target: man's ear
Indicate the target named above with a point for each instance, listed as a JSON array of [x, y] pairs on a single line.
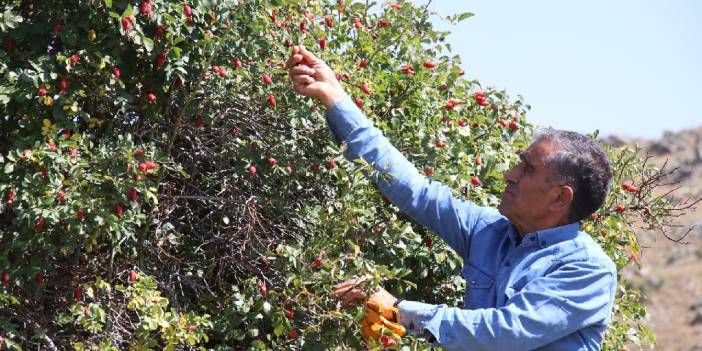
[[564, 198]]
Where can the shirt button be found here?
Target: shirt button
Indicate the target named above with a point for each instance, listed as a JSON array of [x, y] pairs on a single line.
[[473, 282]]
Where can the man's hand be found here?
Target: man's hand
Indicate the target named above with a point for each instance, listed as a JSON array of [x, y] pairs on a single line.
[[378, 323], [313, 78], [352, 291]]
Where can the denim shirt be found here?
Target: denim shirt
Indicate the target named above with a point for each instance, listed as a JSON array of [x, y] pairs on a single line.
[[548, 290]]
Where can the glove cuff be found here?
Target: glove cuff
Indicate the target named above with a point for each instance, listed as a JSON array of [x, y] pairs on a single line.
[[396, 309]]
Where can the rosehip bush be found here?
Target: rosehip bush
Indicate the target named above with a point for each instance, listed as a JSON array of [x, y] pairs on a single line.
[[162, 186]]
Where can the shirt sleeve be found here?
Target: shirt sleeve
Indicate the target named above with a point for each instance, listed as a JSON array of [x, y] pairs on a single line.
[[426, 201], [546, 309]]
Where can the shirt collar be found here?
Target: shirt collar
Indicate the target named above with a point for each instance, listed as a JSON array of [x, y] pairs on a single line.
[[546, 237]]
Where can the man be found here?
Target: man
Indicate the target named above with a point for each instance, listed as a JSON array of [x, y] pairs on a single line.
[[535, 281]]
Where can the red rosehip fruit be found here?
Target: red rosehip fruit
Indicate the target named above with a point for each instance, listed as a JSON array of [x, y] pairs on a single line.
[[358, 101], [126, 24], [513, 126], [40, 223], [63, 84], [267, 79], [262, 288], [132, 277], [475, 181], [118, 209], [145, 8], [133, 194]]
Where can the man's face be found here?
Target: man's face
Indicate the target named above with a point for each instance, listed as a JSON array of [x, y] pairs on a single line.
[[527, 197]]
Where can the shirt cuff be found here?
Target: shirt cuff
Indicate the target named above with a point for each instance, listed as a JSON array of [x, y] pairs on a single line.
[[345, 117], [416, 316]]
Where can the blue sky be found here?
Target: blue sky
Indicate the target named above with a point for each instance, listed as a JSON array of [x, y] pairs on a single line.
[[624, 67]]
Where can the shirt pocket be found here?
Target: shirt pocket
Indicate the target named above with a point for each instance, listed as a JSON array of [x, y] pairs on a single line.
[[479, 288]]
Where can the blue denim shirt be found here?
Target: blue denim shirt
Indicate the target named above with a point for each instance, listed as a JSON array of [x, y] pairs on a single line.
[[549, 290]]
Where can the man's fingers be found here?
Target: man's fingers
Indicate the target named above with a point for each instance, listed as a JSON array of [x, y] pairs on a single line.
[[302, 69], [346, 295], [347, 284], [351, 283], [341, 289], [352, 296], [302, 79], [308, 57], [294, 60], [349, 291]]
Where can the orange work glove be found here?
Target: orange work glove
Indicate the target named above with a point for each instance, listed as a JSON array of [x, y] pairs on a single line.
[[375, 326]]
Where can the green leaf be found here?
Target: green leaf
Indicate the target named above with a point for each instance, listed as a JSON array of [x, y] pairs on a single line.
[[278, 330], [9, 167], [148, 44], [464, 16], [108, 3], [5, 94], [128, 11]]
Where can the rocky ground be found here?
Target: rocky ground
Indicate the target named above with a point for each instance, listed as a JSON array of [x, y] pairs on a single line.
[[671, 274]]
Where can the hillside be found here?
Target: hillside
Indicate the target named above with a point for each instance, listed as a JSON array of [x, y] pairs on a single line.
[[671, 274]]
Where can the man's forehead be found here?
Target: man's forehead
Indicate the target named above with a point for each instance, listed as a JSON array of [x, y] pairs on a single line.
[[537, 152]]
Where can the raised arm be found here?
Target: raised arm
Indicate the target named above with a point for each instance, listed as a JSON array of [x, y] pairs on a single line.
[[428, 202]]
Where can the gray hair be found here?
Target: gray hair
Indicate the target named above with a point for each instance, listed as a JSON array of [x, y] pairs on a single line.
[[580, 163]]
